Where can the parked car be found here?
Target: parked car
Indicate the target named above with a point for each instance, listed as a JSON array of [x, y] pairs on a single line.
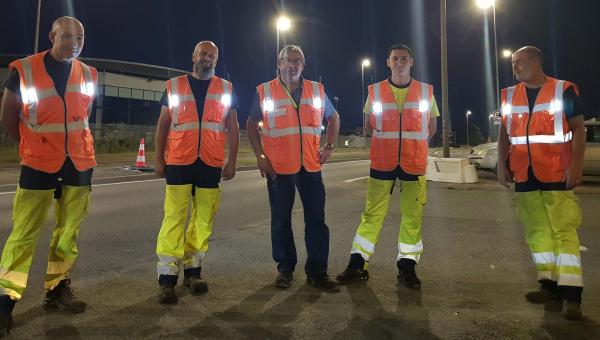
[[485, 156]]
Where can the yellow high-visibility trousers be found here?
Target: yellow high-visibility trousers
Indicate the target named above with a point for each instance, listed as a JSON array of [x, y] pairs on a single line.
[[412, 201], [175, 246], [30, 209], [551, 221]]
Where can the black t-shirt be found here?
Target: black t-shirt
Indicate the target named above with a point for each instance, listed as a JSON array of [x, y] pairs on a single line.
[[571, 103], [199, 89], [59, 72]]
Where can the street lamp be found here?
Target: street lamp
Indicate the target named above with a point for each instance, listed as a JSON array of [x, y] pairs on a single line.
[[468, 114], [506, 53], [365, 63], [484, 5], [283, 24]]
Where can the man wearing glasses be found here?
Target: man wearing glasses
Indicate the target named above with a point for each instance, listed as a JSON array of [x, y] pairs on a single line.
[[289, 112]]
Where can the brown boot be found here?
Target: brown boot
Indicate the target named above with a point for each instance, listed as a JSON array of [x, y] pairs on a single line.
[[63, 298]]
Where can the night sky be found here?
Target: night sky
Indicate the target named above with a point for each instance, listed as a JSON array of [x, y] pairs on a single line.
[[335, 36]]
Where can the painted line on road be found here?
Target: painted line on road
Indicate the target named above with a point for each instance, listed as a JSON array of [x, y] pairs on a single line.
[[162, 179], [355, 179]]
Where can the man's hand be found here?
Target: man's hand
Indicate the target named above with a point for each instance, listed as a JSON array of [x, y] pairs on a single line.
[[228, 171], [265, 167], [324, 154], [573, 177], [159, 167]]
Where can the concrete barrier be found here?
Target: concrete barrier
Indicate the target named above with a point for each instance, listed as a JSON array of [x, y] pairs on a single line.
[[453, 170]]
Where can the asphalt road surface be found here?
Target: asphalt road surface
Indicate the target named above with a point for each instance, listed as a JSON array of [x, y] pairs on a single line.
[[475, 270]]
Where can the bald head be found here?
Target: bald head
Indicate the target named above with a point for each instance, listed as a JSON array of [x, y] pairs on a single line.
[[527, 64], [205, 57], [67, 38]]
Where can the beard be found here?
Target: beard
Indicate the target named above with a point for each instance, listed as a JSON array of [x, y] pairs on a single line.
[[204, 71]]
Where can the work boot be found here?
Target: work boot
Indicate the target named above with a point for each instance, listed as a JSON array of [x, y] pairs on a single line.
[[407, 275], [571, 310], [167, 294], [324, 282], [196, 285], [63, 298], [548, 291], [6, 307], [354, 272], [284, 280]]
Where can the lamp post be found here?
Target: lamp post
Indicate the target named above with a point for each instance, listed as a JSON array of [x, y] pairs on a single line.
[[283, 24], [468, 114], [365, 63], [484, 5], [490, 120]]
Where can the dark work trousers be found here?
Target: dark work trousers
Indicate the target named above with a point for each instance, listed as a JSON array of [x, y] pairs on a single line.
[[282, 191]]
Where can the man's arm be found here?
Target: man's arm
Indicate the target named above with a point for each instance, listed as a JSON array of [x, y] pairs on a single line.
[[333, 129], [162, 130], [573, 175], [9, 113], [233, 141], [503, 172], [264, 165]]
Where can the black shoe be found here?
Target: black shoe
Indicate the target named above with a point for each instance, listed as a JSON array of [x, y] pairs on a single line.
[[351, 275], [407, 275], [6, 308], [63, 298], [167, 294], [324, 282], [196, 285], [284, 280], [548, 291], [571, 310]]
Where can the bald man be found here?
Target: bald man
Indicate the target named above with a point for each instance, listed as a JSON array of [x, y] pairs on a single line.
[[198, 115], [45, 107], [540, 149]]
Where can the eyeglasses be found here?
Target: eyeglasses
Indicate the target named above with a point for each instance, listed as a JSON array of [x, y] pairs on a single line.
[[288, 61]]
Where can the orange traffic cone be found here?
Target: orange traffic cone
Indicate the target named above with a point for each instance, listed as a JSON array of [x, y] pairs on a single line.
[[141, 157]]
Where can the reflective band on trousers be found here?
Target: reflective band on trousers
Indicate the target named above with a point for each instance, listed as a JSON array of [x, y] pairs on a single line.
[[410, 248], [364, 243], [555, 108]]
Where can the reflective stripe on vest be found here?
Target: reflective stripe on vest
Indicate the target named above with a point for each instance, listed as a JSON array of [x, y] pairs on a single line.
[[379, 107], [30, 96], [555, 107]]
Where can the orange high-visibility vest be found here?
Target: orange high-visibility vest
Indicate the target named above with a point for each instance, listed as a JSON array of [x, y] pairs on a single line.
[[387, 121], [546, 144], [51, 127], [182, 142], [291, 136]]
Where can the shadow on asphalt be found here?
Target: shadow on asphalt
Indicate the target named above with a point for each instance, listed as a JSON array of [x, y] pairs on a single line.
[[371, 321], [558, 328], [249, 319]]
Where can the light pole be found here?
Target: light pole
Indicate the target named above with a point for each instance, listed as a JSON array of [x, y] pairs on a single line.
[[365, 63], [484, 5], [283, 24], [490, 120], [468, 114], [444, 76]]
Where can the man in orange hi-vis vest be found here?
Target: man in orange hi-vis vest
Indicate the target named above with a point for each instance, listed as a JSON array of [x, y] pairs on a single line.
[[289, 111], [540, 149], [198, 115], [45, 107], [401, 116]]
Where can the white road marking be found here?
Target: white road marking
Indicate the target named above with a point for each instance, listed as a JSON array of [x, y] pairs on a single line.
[[355, 179]]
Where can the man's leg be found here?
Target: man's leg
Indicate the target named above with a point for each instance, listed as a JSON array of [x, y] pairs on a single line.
[[410, 244], [367, 234], [316, 233], [565, 218], [281, 198]]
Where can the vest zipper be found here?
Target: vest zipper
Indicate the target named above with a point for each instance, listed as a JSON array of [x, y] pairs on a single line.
[[66, 131], [301, 142]]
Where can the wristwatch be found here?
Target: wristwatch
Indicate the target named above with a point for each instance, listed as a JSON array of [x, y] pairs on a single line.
[[329, 146]]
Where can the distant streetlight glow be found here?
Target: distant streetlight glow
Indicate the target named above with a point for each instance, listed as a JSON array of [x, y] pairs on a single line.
[[468, 114], [283, 23], [366, 63], [485, 4], [506, 53]]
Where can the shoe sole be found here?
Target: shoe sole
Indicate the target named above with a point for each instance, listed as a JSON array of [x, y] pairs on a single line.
[[63, 308], [405, 284], [314, 284]]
